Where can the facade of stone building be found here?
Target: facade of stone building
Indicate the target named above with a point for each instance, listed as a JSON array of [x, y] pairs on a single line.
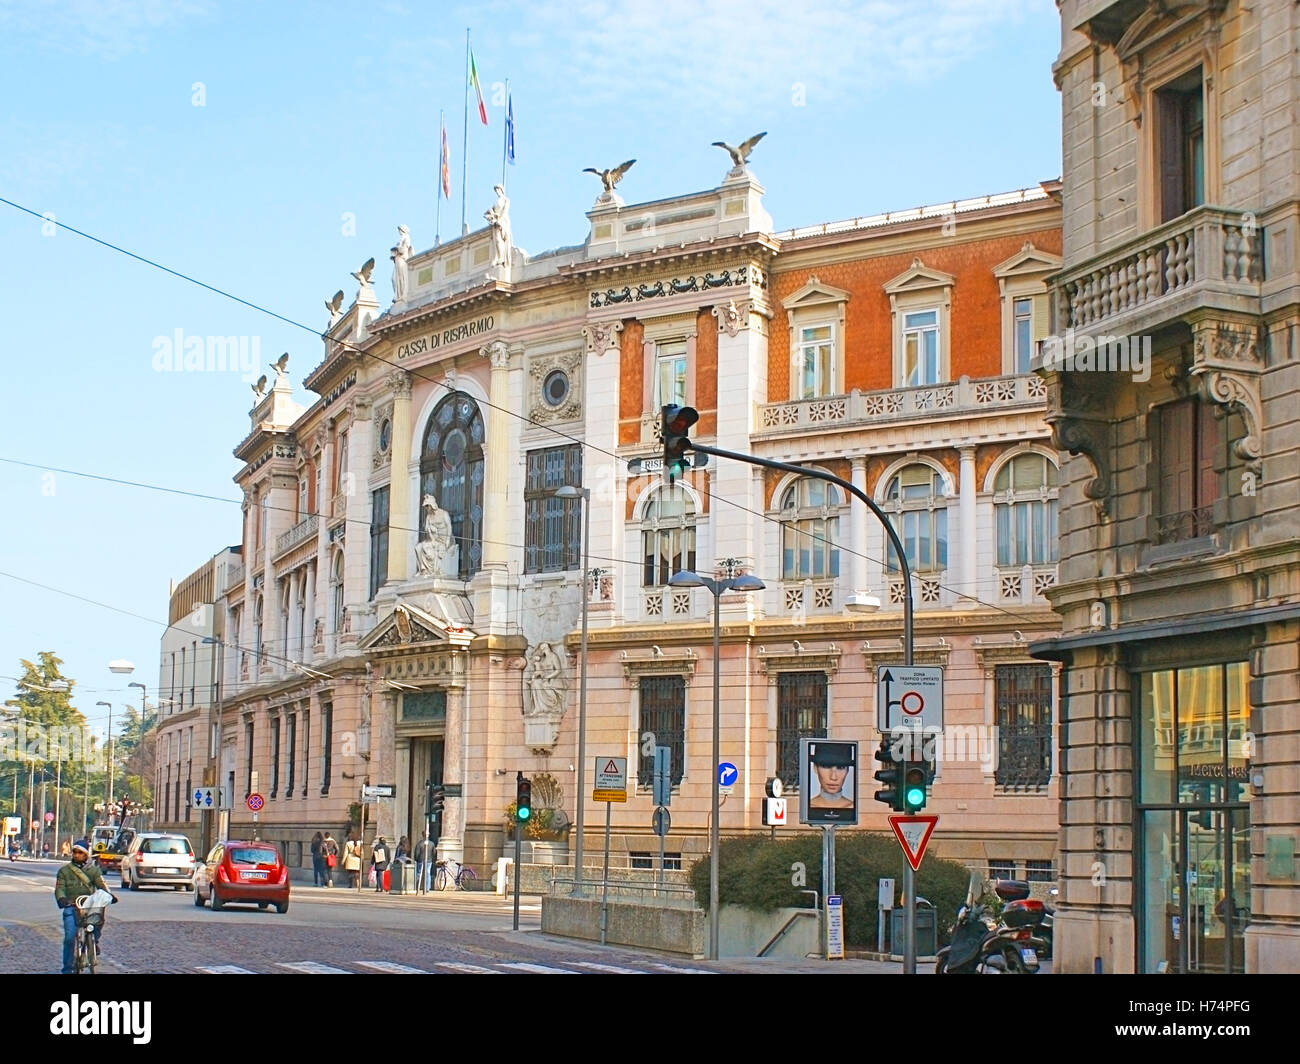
[[409, 598], [1175, 391]]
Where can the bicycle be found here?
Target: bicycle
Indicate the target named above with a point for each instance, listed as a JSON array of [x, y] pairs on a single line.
[[444, 879], [90, 915]]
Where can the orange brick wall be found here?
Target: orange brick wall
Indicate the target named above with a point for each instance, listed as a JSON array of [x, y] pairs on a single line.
[[976, 322], [706, 372], [631, 370]]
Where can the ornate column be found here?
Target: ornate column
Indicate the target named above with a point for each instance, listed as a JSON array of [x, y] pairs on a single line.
[[496, 458], [401, 540], [858, 529], [969, 542], [451, 841]]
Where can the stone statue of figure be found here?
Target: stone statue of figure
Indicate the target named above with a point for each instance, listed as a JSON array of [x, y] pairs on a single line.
[[545, 686], [400, 254], [498, 217], [437, 546]]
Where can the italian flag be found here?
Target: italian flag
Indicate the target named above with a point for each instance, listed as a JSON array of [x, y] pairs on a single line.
[[478, 89]]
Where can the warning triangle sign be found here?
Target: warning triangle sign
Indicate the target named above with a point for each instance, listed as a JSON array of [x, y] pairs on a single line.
[[913, 834], [611, 767]]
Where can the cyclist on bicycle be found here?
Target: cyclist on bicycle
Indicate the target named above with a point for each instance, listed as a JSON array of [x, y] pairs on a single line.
[[76, 878]]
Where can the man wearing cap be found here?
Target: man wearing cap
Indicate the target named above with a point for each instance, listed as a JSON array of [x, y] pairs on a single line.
[[76, 878], [831, 764]]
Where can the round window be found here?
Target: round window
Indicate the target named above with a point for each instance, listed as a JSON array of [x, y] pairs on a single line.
[[385, 435], [555, 388]]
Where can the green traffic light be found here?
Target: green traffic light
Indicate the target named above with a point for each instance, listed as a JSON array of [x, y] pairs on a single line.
[[914, 789], [524, 812]]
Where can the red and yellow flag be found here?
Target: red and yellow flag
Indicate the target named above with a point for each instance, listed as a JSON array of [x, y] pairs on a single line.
[[445, 165]]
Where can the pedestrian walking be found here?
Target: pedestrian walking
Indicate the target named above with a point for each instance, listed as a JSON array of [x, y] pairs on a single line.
[[352, 861], [379, 862], [317, 860], [329, 850], [425, 852]]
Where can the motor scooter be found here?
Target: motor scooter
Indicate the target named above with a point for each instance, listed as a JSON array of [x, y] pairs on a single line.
[[977, 947], [1029, 918]]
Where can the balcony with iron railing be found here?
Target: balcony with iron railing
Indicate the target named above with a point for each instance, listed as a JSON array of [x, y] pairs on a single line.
[[1210, 257], [929, 402], [304, 529]]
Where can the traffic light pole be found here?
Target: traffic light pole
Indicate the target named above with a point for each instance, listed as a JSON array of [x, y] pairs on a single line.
[[909, 936]]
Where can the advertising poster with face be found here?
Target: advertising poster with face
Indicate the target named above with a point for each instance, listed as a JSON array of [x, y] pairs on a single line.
[[828, 784]]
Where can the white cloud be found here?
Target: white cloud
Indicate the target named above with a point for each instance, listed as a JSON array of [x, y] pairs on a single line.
[[107, 29], [728, 55]]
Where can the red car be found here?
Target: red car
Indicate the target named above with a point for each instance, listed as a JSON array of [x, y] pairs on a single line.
[[243, 872]]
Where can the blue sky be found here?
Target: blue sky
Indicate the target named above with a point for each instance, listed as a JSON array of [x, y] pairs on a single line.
[[312, 113]]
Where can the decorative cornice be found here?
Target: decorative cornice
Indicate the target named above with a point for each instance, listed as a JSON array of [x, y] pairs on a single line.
[[891, 653], [774, 662], [663, 664], [739, 276]]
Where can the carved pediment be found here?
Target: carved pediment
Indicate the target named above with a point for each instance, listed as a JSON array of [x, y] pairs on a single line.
[[814, 294], [1028, 261], [408, 625], [917, 278]]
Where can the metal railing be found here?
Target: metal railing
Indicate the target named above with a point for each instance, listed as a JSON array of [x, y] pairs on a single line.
[[301, 531], [621, 890]]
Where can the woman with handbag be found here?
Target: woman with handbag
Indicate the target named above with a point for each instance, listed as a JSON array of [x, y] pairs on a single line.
[[329, 858], [378, 863], [352, 861], [317, 860]]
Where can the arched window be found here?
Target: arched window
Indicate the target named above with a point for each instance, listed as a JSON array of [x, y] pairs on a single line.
[[336, 583], [920, 516], [667, 535], [451, 470], [1024, 503], [810, 526], [257, 628]]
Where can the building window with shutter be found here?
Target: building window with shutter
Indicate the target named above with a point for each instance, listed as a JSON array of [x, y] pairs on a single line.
[[667, 535], [663, 714], [800, 714], [378, 539], [553, 525], [275, 756], [1187, 480], [1180, 133]]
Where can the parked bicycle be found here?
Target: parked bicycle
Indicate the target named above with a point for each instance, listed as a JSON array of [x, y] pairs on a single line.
[[90, 918], [452, 874]]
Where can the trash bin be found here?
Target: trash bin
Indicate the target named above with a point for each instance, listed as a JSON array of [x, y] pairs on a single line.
[[401, 876], [927, 940]]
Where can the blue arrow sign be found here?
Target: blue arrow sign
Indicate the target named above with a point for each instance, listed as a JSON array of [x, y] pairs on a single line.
[[727, 773], [198, 797]]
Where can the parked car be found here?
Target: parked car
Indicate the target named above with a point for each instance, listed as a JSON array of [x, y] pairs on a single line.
[[160, 860], [240, 871]]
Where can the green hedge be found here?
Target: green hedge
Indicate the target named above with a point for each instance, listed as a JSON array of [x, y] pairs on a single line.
[[757, 873]]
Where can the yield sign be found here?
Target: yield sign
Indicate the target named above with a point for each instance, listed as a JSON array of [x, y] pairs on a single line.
[[913, 833]]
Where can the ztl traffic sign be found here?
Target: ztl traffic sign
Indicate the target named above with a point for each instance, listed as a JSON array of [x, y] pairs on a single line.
[[909, 695]]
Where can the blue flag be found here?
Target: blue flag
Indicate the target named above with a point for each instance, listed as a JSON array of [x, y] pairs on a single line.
[[510, 130]]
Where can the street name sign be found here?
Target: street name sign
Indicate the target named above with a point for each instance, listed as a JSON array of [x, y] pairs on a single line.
[[910, 695], [379, 790], [611, 780]]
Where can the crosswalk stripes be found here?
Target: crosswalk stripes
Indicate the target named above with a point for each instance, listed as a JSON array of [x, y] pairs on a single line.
[[391, 967], [224, 969], [312, 968], [610, 969], [536, 969], [681, 971], [466, 969]]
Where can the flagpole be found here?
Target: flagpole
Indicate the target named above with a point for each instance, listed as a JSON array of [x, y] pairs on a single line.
[[437, 195], [505, 138], [464, 147]]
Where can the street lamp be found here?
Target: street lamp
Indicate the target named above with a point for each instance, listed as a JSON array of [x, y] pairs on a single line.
[[570, 491], [108, 790], [745, 582]]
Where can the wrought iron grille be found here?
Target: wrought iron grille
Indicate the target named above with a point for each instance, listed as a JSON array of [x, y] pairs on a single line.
[[663, 713], [1024, 716], [1188, 524], [800, 714]]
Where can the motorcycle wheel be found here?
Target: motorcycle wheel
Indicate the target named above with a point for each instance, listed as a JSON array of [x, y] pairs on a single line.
[[1014, 965], [941, 966]]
